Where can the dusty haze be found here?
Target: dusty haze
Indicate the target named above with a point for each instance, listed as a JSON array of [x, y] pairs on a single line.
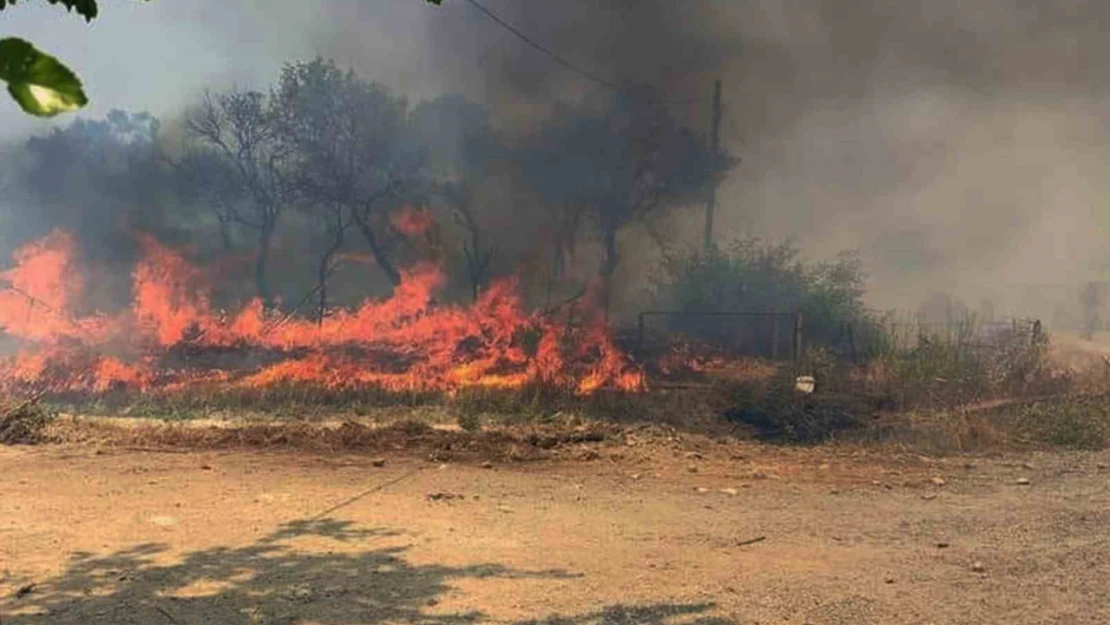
[[958, 145]]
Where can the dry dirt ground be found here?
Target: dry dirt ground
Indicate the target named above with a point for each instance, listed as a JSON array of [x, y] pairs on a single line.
[[736, 533]]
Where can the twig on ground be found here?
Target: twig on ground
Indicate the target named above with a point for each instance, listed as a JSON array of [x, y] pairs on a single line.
[[166, 614], [751, 541]]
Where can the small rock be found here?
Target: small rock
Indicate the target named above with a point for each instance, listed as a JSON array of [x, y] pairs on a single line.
[[487, 465], [378, 462], [876, 483], [702, 489], [978, 567], [824, 467], [1023, 481], [938, 480], [888, 486], [303, 595], [635, 476], [969, 466], [835, 491], [1102, 466], [729, 491], [889, 580], [929, 496], [205, 467], [759, 475], [442, 467], [942, 545], [1028, 466], [692, 468], [24, 591], [693, 455]]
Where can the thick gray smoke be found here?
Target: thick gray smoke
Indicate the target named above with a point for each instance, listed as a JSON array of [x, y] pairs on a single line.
[[958, 145]]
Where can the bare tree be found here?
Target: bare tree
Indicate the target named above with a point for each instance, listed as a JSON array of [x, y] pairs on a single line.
[[478, 255], [251, 181], [347, 138], [336, 224]]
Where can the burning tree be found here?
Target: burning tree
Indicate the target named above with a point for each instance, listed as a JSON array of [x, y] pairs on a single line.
[[460, 145], [347, 136], [616, 165]]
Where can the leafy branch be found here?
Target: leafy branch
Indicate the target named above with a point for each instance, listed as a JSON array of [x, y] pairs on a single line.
[[41, 84]]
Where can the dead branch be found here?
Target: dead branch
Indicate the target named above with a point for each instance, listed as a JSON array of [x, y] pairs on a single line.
[[567, 302]]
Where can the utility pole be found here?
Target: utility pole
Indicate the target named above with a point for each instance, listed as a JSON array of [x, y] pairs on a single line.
[[711, 204]]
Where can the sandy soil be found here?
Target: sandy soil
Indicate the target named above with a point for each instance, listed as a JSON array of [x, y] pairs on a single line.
[[724, 534]]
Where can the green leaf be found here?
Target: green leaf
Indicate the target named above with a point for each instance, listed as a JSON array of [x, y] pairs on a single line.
[[40, 83], [85, 8]]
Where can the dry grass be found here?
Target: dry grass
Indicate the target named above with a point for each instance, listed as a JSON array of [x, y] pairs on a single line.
[[24, 423], [440, 443], [938, 396]]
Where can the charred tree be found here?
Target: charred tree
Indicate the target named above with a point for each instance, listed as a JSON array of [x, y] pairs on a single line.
[[247, 169]]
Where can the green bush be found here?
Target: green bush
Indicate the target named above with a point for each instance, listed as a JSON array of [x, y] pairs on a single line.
[[751, 275]]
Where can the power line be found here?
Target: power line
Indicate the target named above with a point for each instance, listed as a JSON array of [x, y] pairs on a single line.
[[608, 84]]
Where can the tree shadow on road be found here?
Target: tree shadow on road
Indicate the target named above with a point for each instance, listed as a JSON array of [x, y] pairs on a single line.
[[272, 582]]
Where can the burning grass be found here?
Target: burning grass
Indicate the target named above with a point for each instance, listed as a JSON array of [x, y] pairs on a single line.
[[172, 355], [173, 338]]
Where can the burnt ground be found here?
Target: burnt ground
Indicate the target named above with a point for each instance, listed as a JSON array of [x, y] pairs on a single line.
[[663, 532]]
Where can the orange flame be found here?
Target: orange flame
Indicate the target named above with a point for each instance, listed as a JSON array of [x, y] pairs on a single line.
[[405, 342], [412, 222]]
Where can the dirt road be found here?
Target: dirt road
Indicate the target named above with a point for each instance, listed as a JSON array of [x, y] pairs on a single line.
[[737, 535]]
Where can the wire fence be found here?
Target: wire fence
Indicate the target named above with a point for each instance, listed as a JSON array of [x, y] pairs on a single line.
[[773, 335]]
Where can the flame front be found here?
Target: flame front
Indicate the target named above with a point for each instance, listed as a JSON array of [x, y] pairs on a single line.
[[402, 343]]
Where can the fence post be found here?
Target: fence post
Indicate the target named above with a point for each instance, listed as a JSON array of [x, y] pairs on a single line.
[[775, 337], [797, 338]]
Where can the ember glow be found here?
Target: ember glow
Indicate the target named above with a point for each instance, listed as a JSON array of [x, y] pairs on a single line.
[[404, 343]]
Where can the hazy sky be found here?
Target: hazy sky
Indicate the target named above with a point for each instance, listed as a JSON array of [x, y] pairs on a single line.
[[959, 144]]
